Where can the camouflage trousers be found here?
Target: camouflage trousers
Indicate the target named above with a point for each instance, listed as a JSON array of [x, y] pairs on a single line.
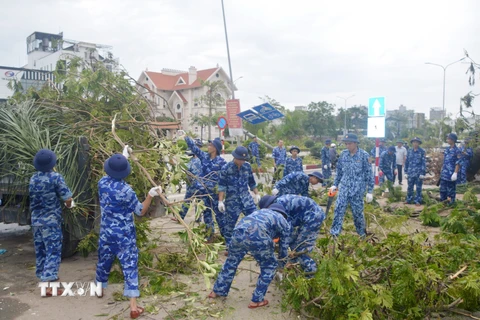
[[262, 249], [462, 174], [304, 238], [48, 251], [356, 204], [448, 189], [414, 182], [327, 174], [127, 252], [234, 205], [389, 175], [211, 204], [191, 191]]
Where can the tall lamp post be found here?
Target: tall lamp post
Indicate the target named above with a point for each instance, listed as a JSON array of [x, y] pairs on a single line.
[[443, 103], [228, 52], [345, 118]]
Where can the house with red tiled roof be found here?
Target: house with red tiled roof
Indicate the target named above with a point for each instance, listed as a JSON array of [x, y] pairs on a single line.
[[174, 94]]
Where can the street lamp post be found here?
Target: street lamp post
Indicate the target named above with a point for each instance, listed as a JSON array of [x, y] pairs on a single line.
[[228, 52], [345, 118], [444, 75]]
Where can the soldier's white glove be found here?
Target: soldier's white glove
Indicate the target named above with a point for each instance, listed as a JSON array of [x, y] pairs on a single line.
[[221, 206], [126, 151], [274, 192], [333, 188], [369, 197], [454, 176], [330, 165], [256, 198], [72, 204], [406, 176], [154, 192], [422, 177], [325, 167]]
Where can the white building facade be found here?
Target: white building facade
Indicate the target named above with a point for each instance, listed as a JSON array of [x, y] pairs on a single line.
[[175, 94]]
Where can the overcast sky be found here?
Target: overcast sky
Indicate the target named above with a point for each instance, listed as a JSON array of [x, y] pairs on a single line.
[[294, 51]]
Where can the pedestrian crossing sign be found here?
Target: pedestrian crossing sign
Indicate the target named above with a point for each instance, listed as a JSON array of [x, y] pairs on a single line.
[[376, 107]]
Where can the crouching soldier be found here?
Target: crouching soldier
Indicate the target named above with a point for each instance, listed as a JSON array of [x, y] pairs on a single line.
[[305, 217], [46, 189], [117, 229], [234, 180], [388, 164], [297, 183], [255, 234]]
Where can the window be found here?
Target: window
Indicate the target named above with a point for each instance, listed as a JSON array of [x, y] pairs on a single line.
[[179, 115], [195, 104], [146, 79], [178, 106], [217, 75]]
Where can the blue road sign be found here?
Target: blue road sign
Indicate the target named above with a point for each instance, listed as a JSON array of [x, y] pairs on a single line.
[[376, 107], [267, 111], [251, 116], [222, 122]]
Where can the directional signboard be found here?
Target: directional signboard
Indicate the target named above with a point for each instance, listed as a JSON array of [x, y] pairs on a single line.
[[267, 111], [376, 117], [251, 117], [376, 107]]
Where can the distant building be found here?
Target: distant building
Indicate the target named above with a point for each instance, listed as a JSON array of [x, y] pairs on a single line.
[[44, 50], [406, 118], [437, 114], [174, 94], [24, 78], [301, 108]]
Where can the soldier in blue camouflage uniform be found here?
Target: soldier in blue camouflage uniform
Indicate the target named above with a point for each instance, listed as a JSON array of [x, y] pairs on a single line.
[[297, 183], [194, 168], [118, 203], [235, 179], [415, 169], [452, 160], [279, 156], [305, 217], [46, 189], [293, 163], [326, 162], [255, 234], [354, 177], [381, 149], [388, 164], [207, 180], [467, 155], [255, 150]]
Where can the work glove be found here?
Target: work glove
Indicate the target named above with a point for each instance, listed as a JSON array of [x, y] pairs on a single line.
[[330, 165], [72, 204], [333, 189], [422, 177], [256, 198], [369, 197], [274, 192], [406, 176], [154, 192], [221, 206], [126, 151], [454, 176], [325, 167], [395, 172]]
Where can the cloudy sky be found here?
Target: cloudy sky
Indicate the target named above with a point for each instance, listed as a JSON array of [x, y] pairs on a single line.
[[294, 51]]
